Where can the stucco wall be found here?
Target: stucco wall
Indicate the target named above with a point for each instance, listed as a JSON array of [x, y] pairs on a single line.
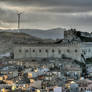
[[40, 52]]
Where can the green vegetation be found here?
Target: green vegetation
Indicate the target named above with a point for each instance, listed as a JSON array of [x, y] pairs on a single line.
[[89, 60], [85, 39]]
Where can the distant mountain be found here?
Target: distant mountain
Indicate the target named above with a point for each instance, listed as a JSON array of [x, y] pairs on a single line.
[[57, 33]]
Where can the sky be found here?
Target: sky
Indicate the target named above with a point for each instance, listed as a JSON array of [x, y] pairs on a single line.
[[47, 14]]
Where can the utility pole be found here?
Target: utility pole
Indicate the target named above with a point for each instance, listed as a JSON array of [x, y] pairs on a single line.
[[19, 16]]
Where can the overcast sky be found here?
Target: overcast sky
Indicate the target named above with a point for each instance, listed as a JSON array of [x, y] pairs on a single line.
[[45, 14]]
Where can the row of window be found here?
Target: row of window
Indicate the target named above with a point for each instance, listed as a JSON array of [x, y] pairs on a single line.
[[86, 50], [59, 51]]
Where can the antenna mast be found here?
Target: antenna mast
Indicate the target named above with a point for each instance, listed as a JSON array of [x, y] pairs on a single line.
[[19, 16]]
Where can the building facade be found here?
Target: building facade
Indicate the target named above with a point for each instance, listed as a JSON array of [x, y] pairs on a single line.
[[70, 50]]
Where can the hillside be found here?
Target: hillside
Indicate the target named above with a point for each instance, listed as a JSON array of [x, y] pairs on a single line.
[[84, 38], [56, 33], [8, 40], [74, 35]]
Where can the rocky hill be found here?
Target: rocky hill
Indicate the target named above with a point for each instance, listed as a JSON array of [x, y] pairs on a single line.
[[74, 35]]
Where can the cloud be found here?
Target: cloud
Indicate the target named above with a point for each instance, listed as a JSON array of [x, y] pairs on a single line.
[[47, 13], [53, 5], [49, 2]]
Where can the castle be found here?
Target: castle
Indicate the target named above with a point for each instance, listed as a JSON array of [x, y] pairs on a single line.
[[73, 50]]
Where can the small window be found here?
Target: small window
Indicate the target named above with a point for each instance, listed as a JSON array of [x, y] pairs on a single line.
[[81, 89], [84, 53], [68, 50], [59, 51], [40, 50], [46, 51], [20, 50], [76, 51], [53, 51], [33, 50]]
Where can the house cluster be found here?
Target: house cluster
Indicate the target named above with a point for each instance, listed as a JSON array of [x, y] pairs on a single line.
[[45, 77], [57, 75]]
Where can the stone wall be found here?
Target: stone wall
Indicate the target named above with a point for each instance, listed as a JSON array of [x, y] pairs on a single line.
[[50, 51]]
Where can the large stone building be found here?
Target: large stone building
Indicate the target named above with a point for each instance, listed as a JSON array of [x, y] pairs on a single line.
[[76, 51]]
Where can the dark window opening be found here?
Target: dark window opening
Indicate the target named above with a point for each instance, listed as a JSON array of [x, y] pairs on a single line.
[[68, 50], [46, 51], [76, 51], [20, 50], [53, 51], [59, 51], [33, 50], [39, 50]]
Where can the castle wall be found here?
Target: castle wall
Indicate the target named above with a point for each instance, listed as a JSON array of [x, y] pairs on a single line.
[[50, 51]]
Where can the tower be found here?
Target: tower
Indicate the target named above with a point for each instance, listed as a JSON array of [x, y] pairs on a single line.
[[19, 17]]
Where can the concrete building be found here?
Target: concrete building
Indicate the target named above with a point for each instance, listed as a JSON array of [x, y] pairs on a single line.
[[9, 71], [74, 87], [75, 50], [73, 71], [85, 85]]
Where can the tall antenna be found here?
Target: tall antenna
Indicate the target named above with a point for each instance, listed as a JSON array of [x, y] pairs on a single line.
[[19, 16]]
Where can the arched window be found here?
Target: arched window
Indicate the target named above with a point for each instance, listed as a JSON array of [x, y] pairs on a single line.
[[46, 51], [40, 50], [68, 50], [33, 50], [81, 89], [76, 50], [20, 50], [53, 50]]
